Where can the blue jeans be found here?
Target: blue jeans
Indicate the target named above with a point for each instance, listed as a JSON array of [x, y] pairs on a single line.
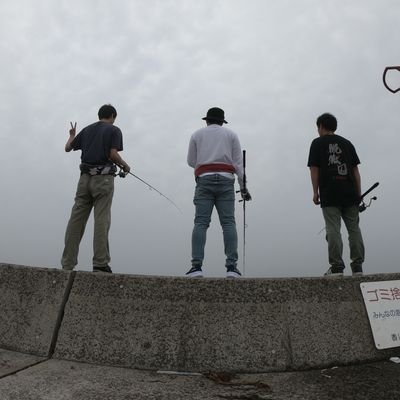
[[214, 190]]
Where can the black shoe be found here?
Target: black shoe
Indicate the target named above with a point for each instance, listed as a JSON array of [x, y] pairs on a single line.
[[357, 270], [106, 269], [334, 272], [233, 272], [194, 272]]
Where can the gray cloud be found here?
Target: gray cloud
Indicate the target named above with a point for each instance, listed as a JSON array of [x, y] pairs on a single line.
[[273, 66]]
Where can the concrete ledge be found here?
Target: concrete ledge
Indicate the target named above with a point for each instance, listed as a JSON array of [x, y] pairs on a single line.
[[11, 362], [30, 304], [66, 380], [247, 325]]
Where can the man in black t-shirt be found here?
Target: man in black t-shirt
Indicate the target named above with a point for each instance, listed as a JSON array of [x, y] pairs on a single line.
[[100, 143], [336, 183]]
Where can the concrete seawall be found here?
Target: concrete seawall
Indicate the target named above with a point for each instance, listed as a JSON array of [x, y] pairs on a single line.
[[31, 300], [246, 325]]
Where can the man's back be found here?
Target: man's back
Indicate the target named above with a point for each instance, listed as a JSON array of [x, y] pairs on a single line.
[[215, 144], [336, 157], [100, 143], [96, 141], [215, 154]]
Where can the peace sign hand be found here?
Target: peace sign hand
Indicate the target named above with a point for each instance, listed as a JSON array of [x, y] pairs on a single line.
[[72, 131]]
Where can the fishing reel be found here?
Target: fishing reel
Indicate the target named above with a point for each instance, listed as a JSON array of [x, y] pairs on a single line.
[[121, 173], [363, 206]]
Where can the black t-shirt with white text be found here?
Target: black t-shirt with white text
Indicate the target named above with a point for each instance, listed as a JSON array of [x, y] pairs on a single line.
[[96, 141], [335, 157]]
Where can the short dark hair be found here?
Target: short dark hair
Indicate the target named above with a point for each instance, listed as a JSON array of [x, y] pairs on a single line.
[[327, 121], [214, 121], [107, 111]]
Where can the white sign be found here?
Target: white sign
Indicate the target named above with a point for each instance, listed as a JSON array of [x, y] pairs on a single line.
[[382, 300]]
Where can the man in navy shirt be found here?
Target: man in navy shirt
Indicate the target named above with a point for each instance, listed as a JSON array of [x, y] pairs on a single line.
[[336, 183], [100, 143]]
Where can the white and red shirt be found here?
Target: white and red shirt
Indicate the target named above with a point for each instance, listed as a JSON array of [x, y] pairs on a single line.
[[216, 149]]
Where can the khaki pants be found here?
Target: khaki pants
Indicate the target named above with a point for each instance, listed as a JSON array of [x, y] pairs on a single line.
[[350, 216], [93, 192]]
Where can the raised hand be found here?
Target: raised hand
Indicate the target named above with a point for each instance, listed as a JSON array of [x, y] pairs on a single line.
[[72, 131]]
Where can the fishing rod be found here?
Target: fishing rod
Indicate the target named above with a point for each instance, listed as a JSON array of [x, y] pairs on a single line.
[[244, 212], [122, 174]]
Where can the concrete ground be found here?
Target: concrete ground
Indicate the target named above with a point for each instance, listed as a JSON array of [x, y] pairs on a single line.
[[41, 379]]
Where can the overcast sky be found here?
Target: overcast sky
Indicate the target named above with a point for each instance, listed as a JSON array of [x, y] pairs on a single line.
[[272, 65]]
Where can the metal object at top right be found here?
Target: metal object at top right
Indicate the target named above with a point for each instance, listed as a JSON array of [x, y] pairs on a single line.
[[397, 68]]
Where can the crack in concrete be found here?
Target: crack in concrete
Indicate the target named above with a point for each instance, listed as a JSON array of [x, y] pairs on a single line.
[[60, 315]]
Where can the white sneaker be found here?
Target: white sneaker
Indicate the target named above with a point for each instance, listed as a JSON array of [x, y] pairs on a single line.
[[194, 272], [233, 272]]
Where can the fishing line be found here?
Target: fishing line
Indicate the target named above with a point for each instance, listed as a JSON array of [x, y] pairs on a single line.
[[122, 174]]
